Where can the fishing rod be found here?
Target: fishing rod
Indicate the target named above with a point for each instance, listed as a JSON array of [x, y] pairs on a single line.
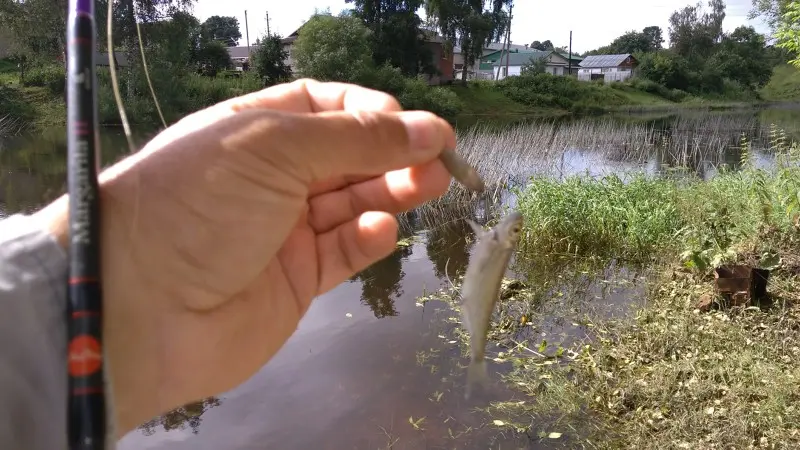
[[86, 396]]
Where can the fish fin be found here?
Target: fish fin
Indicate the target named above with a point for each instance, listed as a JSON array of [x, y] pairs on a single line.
[[477, 229], [477, 375]]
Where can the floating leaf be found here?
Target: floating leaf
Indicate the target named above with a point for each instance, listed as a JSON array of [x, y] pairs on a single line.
[[499, 423], [554, 435]]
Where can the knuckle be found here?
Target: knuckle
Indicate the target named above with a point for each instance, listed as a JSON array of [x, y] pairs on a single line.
[[382, 129]]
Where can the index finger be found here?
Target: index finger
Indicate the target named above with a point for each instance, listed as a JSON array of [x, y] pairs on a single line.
[[311, 96]]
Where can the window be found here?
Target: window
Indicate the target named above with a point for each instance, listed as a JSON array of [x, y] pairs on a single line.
[[605, 70], [504, 71]]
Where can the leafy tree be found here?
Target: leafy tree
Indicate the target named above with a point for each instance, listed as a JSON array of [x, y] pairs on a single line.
[[38, 27], [471, 24], [742, 57], [772, 11], [534, 66], [654, 36], [648, 40], [543, 46], [173, 43], [269, 60], [222, 28], [333, 48], [213, 57], [692, 35], [665, 68], [396, 36], [788, 32]]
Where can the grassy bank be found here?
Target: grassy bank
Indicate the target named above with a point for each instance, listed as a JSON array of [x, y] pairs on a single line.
[[666, 375]]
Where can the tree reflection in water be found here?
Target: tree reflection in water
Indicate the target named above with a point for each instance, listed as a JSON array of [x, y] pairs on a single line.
[[381, 283], [448, 247], [177, 419]]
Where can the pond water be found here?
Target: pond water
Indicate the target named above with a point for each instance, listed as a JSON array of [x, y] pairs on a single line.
[[370, 366]]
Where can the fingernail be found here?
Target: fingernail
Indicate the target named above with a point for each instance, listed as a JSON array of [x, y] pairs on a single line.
[[422, 129]]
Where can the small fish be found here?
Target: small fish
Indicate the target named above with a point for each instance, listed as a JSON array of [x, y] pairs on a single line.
[[460, 169], [481, 288]]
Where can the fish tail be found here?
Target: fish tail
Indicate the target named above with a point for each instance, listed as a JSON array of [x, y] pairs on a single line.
[[477, 375]]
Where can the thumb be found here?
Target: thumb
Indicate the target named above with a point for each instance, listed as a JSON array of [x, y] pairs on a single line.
[[320, 146]]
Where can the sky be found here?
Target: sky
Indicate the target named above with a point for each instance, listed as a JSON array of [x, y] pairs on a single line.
[[593, 23]]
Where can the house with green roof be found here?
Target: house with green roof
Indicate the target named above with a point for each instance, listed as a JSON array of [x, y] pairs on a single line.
[[511, 63]]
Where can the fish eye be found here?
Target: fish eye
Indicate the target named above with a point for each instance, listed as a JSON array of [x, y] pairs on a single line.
[[516, 229]]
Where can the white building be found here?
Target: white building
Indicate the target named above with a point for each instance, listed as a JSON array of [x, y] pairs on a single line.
[[608, 68], [555, 63]]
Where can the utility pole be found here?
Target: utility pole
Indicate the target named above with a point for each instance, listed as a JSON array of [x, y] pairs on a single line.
[[506, 47], [508, 53], [247, 33], [268, 33], [569, 61]]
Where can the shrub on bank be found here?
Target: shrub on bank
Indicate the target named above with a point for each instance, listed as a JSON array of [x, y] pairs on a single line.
[[412, 93], [547, 90], [651, 87], [52, 77]]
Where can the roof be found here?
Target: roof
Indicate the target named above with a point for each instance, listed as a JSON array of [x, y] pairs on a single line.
[[604, 60], [521, 58], [101, 58], [574, 57], [494, 46], [239, 52]]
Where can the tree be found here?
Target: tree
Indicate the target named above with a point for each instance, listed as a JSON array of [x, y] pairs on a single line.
[[743, 57], [212, 57], [693, 36], [471, 24], [333, 48], [543, 46], [648, 40], [654, 37], [396, 35], [772, 11], [665, 68], [269, 61], [37, 26], [222, 28], [534, 66], [788, 32]]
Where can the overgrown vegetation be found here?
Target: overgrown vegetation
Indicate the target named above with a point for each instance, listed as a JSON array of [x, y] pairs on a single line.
[[671, 376], [784, 84]]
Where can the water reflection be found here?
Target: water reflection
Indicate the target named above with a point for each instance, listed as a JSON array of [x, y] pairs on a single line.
[[189, 415], [381, 283], [447, 247]]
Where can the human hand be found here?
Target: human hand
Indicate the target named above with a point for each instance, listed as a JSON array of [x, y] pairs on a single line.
[[219, 233]]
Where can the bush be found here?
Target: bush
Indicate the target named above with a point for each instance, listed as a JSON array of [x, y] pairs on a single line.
[[547, 90], [418, 95], [384, 78], [649, 86], [665, 68], [52, 77], [412, 93]]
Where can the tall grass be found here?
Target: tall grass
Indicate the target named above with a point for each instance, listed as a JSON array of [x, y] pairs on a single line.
[[552, 150], [641, 216]]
